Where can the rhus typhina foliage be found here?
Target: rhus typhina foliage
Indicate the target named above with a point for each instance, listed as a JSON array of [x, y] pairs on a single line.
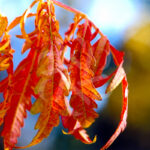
[[49, 77]]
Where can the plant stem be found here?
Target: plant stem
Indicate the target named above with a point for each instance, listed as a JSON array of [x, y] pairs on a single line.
[[73, 10]]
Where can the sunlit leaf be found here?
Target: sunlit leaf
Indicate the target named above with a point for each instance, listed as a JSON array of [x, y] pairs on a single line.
[[42, 75]]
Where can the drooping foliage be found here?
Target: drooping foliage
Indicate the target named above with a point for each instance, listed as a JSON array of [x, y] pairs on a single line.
[[49, 77]]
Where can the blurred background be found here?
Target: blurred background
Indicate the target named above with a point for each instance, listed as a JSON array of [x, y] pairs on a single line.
[[126, 23]]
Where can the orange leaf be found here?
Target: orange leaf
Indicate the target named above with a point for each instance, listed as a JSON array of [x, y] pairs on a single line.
[[19, 98], [6, 53], [54, 83], [118, 59], [51, 102], [75, 129], [3, 24], [101, 51], [17, 20], [123, 118], [83, 90]]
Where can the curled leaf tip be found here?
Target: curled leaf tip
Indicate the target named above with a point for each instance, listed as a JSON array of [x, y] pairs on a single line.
[[94, 139], [66, 133]]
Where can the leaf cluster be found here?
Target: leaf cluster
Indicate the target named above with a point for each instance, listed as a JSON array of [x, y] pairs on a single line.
[[49, 77]]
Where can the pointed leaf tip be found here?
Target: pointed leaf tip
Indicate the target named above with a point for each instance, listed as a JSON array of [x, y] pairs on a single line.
[[119, 75], [81, 135]]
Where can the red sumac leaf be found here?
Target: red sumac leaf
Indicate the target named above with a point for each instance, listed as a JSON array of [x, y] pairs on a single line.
[[42, 74]]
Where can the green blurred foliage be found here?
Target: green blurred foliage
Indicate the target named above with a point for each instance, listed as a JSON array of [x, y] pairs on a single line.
[[137, 47]]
